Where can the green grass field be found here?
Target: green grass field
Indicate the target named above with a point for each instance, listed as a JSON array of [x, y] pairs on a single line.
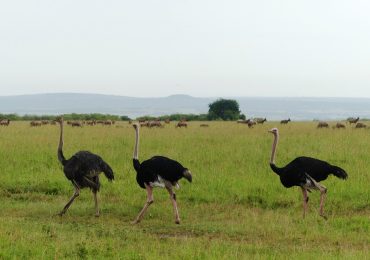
[[235, 208]]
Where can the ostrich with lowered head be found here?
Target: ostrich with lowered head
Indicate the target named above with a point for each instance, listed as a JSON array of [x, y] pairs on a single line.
[[158, 171], [305, 172], [83, 170]]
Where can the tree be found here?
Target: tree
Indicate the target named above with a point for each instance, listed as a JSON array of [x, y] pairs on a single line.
[[225, 109]]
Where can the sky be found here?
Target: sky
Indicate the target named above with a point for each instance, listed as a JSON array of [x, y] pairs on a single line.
[[153, 48]]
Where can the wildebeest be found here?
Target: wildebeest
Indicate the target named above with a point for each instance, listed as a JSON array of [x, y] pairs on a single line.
[[182, 124], [339, 125], [35, 123], [361, 125], [322, 124], [4, 122], [353, 120]]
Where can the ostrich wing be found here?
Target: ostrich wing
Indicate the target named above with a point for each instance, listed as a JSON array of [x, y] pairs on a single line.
[[167, 168], [317, 169]]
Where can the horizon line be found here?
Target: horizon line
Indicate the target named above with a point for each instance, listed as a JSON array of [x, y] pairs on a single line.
[[172, 95]]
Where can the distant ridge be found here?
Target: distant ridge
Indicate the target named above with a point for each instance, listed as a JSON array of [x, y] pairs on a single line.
[[59, 103], [273, 108]]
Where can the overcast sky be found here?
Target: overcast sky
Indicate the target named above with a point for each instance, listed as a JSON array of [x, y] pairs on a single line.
[[195, 47]]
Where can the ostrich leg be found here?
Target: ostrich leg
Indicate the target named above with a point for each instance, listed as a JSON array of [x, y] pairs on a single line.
[[305, 201], [149, 201], [97, 211], [323, 191], [75, 195], [174, 203]]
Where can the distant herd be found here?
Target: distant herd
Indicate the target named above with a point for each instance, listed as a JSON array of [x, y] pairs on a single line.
[[183, 123], [321, 124]]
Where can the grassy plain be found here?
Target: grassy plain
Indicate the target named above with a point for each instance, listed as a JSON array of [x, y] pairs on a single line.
[[235, 208]]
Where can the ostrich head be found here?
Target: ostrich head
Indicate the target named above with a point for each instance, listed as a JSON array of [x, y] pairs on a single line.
[[274, 131], [135, 126], [59, 119], [187, 174]]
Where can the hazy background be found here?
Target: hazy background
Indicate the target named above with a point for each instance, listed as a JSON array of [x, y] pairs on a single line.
[[200, 48]]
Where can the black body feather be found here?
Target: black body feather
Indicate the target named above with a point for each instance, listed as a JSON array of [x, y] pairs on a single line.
[[295, 173], [84, 168], [166, 168]]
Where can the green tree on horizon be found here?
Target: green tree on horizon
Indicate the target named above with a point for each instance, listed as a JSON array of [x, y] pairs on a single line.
[[225, 109]]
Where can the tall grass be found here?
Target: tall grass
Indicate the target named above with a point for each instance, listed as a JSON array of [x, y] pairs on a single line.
[[235, 208]]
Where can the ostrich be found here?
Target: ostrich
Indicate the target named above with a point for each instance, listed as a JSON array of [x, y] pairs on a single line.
[[158, 171], [306, 173], [83, 170]]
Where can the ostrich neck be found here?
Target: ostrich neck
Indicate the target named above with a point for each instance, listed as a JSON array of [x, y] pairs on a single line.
[[274, 145], [136, 149], [61, 141], [60, 146]]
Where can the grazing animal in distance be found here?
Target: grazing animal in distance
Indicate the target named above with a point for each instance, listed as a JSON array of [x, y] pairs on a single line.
[[285, 121], [360, 125], [155, 123], [83, 170], [182, 124], [305, 172], [260, 120], [339, 125], [251, 123], [353, 120], [204, 125], [145, 123], [158, 171], [322, 125], [76, 124], [91, 122], [35, 123], [108, 122], [5, 122]]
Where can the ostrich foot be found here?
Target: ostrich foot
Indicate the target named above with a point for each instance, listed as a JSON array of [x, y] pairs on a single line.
[[177, 221], [325, 217], [97, 214], [136, 221], [60, 214]]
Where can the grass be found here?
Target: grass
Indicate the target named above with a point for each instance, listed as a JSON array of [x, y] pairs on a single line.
[[235, 208]]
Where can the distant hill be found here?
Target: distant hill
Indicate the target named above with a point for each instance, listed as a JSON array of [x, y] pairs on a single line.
[[106, 104], [272, 108]]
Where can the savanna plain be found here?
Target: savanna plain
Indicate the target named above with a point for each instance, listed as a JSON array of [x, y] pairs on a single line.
[[235, 208]]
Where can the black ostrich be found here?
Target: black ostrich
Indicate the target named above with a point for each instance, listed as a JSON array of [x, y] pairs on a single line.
[[83, 170], [306, 173], [158, 171]]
